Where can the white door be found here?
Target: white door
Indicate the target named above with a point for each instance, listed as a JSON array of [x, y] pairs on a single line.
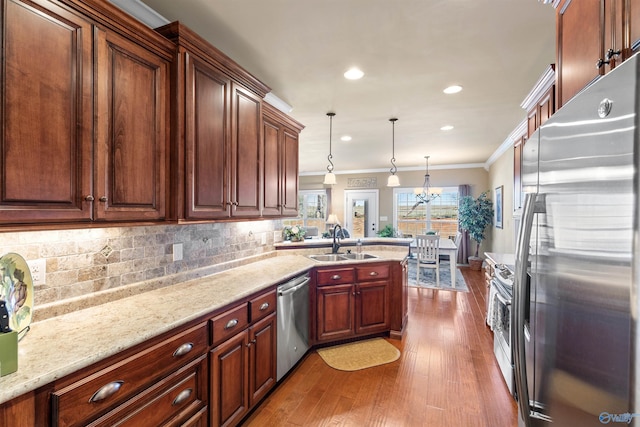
[[361, 212]]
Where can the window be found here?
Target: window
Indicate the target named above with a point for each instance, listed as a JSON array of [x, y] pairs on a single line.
[[312, 210], [413, 217]]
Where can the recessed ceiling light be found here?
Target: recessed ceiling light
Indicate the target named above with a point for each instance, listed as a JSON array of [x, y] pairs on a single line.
[[453, 89], [446, 127], [345, 138], [354, 74]]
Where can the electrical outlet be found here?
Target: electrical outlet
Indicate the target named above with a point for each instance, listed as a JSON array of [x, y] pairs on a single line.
[[38, 270], [177, 251]]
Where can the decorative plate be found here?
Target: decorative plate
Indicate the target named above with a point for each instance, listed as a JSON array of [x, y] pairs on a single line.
[[16, 288]]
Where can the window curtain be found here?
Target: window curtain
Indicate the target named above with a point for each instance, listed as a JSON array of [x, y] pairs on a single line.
[[465, 246]]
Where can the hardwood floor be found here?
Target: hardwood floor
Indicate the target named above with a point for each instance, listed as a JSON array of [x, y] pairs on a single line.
[[446, 376]]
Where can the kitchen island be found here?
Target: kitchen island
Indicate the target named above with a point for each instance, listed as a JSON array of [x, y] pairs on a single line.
[[63, 345]]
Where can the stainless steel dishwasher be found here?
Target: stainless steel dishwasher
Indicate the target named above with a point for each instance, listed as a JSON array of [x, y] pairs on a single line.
[[293, 323]]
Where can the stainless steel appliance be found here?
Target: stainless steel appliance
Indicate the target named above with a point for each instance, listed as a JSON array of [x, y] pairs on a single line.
[[575, 304], [293, 323], [499, 319]]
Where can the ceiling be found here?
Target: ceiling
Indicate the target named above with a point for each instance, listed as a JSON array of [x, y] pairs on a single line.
[[410, 50]]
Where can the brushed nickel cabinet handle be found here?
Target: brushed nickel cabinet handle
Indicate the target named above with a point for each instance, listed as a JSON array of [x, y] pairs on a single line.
[[336, 277], [106, 391], [231, 323], [183, 349], [103, 199], [89, 198], [264, 306], [373, 273], [182, 397]]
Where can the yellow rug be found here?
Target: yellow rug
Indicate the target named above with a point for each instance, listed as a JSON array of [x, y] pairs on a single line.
[[359, 355]]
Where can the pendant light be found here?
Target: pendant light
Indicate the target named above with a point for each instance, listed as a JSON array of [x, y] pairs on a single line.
[[393, 180], [330, 177]]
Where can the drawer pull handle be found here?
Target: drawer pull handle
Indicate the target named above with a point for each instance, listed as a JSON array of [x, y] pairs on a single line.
[[182, 397], [373, 273], [336, 277], [183, 349], [106, 391], [231, 323], [264, 306]]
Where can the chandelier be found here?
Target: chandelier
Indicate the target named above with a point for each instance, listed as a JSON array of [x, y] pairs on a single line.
[[427, 193]]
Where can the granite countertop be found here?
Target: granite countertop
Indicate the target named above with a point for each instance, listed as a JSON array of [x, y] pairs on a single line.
[[507, 259], [64, 344]]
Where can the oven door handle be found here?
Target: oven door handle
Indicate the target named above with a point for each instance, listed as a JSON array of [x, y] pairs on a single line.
[[502, 299]]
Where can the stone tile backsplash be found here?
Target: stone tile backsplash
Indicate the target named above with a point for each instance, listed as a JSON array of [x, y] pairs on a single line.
[[87, 262]]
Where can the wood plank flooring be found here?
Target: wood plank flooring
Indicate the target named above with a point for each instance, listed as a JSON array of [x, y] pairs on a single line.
[[446, 376]]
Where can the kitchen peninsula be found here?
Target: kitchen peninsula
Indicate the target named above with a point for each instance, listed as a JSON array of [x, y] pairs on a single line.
[[96, 341]]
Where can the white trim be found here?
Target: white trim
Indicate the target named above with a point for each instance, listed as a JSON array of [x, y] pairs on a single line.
[[400, 169], [141, 12], [543, 84], [376, 215], [278, 103], [507, 144]]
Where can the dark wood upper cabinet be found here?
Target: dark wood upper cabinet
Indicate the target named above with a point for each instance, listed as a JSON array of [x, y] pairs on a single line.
[[280, 179], [593, 37], [84, 115], [218, 160], [133, 138], [47, 113], [246, 153]]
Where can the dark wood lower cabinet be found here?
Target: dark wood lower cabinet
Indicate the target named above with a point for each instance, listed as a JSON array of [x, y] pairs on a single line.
[[243, 370], [230, 380], [346, 310]]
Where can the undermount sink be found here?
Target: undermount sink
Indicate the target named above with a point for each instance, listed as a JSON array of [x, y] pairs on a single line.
[[358, 256], [340, 257], [327, 257]]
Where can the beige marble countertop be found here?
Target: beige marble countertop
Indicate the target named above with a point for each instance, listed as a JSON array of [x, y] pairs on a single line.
[[60, 345]]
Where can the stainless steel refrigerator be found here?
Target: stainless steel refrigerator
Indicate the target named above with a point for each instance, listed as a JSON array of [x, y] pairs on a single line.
[[575, 305]]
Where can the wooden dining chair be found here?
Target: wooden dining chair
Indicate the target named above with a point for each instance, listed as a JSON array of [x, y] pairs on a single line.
[[428, 255]]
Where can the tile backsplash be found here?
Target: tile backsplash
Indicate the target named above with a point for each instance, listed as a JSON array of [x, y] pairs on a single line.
[[84, 263]]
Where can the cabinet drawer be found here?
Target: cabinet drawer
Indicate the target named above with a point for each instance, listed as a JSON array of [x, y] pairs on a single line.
[[262, 305], [170, 400], [335, 276], [372, 272], [94, 394], [229, 323]]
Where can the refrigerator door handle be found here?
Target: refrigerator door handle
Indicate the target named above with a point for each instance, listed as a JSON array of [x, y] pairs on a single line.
[[533, 204]]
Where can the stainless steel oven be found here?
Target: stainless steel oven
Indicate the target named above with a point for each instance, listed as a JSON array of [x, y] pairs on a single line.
[[499, 319]]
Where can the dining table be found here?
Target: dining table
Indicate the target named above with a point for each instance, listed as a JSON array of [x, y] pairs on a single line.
[[447, 247]]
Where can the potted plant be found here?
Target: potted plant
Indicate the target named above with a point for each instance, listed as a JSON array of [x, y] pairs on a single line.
[[295, 233], [387, 231], [474, 216]]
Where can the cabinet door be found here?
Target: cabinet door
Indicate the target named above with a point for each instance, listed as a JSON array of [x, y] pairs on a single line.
[[47, 113], [335, 317], [246, 153], [272, 183], [290, 173], [372, 314], [131, 153], [579, 45], [206, 141], [229, 375], [262, 358], [631, 15]]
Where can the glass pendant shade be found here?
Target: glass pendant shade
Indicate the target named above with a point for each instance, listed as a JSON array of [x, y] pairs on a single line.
[[329, 178], [393, 181]]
